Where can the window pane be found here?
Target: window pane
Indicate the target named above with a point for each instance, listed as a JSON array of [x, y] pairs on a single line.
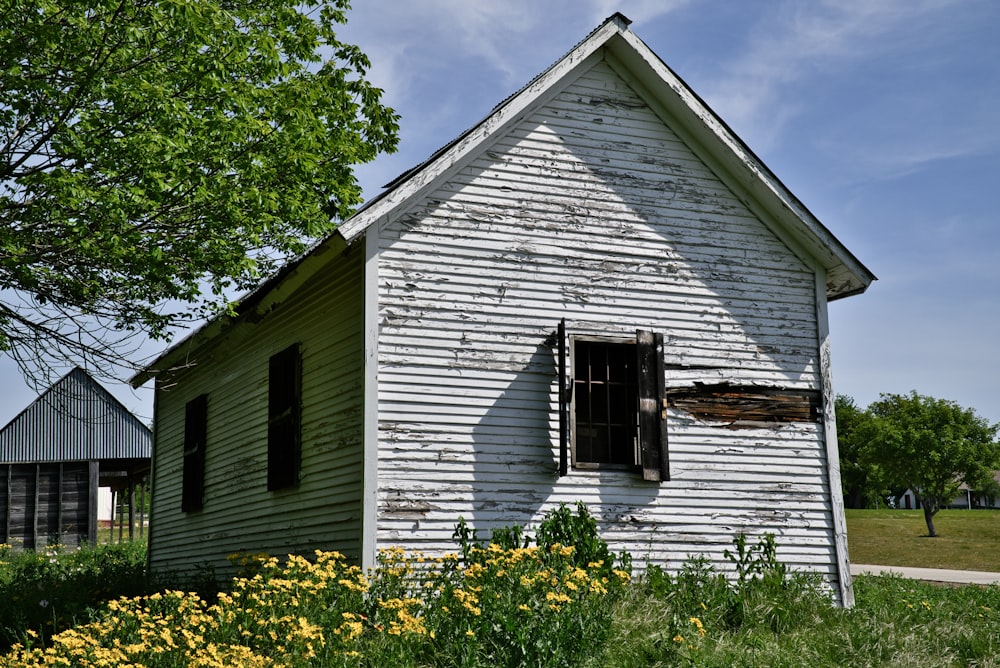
[[581, 390], [193, 473], [582, 358], [618, 362], [599, 403], [600, 447], [584, 449], [622, 412], [623, 451]]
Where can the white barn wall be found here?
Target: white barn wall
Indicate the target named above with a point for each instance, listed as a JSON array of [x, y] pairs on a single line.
[[240, 514], [592, 210]]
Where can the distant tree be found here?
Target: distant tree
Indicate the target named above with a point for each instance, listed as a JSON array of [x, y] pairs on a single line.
[[988, 493], [931, 446], [161, 153], [858, 476]]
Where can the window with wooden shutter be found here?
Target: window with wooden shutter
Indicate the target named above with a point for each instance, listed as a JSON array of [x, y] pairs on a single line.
[[284, 429], [611, 409], [195, 431]]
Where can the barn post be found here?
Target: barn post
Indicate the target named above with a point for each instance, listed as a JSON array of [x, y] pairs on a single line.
[[131, 508], [92, 489], [6, 533], [142, 506], [34, 519], [121, 518], [59, 504]]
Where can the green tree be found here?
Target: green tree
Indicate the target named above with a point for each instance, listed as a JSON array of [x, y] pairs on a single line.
[[931, 446], [156, 155], [859, 477]]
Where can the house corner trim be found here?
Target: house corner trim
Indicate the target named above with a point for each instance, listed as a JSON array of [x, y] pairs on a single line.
[[843, 561], [369, 494]]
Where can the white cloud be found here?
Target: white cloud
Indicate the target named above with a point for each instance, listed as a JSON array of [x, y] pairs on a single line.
[[513, 40], [893, 160], [799, 39]]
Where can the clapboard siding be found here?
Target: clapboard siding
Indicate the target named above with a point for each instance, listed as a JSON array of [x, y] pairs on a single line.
[[591, 209], [324, 510]]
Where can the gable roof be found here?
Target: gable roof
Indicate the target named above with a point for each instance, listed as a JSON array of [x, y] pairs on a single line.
[[678, 106], [669, 97], [76, 419]]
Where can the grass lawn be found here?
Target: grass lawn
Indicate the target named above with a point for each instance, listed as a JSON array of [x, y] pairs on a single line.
[[966, 540]]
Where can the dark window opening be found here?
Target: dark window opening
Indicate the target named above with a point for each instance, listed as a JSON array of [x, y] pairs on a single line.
[[195, 431], [284, 429], [612, 410], [605, 391]]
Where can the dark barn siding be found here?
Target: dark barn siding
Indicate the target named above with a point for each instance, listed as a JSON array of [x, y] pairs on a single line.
[[53, 454], [48, 503]]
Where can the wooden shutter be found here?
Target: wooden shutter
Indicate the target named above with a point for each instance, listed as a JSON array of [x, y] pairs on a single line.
[[283, 418], [652, 415], [195, 430], [563, 388]]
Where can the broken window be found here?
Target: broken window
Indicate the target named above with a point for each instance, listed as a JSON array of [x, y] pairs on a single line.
[[195, 431], [284, 429], [611, 404]]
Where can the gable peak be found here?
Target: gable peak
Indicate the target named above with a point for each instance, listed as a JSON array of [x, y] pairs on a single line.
[[623, 21]]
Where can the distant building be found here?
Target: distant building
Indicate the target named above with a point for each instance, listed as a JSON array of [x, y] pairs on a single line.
[[967, 497], [72, 440]]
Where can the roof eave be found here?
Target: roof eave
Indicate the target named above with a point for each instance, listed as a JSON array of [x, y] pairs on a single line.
[[253, 305]]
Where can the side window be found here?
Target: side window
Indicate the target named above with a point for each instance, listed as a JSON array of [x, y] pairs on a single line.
[[284, 408], [611, 404], [605, 399], [195, 430]]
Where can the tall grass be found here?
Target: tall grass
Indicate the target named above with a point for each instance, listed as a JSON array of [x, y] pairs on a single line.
[[895, 623]]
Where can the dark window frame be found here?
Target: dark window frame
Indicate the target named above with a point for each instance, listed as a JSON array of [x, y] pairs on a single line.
[[284, 418], [637, 432], [195, 440]]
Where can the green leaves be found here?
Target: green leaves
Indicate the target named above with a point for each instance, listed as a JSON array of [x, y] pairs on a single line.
[[150, 148]]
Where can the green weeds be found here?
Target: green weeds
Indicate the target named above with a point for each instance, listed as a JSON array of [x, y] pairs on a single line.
[[53, 589], [768, 617]]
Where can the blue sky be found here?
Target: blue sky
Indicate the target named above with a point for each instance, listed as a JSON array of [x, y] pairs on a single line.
[[883, 117]]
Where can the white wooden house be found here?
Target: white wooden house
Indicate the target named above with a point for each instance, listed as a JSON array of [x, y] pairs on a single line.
[[597, 293]]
